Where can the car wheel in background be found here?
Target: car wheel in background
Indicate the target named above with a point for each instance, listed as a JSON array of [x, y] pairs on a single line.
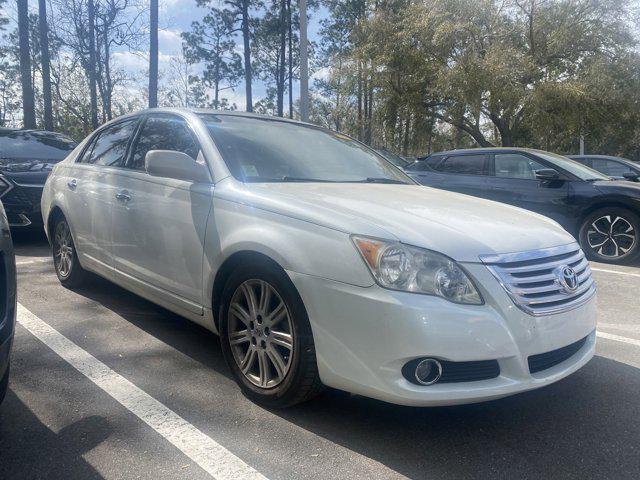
[[611, 235], [266, 337], [65, 258]]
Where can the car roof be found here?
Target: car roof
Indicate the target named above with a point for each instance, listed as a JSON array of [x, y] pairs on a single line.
[[4, 132], [603, 157], [464, 151], [211, 111]]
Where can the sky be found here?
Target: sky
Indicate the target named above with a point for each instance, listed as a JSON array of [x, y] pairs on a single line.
[[175, 17]]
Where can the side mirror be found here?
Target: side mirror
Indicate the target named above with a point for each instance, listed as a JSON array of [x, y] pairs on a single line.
[[177, 165], [631, 176], [547, 174]]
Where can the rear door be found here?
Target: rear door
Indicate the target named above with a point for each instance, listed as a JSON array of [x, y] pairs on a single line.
[[91, 184], [159, 223], [513, 181], [464, 173]]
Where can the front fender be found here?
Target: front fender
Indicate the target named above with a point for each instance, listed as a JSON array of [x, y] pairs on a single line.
[[296, 245]]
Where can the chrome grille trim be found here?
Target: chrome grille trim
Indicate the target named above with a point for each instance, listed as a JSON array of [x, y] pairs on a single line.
[[530, 282]]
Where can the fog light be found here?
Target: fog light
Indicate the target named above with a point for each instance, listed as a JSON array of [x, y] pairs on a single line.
[[428, 371]]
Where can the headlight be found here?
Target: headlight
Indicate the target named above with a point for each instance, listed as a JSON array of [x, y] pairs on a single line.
[[400, 267]]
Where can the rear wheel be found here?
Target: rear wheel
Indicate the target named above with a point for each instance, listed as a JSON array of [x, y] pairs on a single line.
[[611, 235], [65, 258], [266, 337]]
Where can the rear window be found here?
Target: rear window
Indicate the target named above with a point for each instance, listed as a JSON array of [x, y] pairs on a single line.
[[35, 145]]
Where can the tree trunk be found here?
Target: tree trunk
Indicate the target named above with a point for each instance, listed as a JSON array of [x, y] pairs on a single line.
[[153, 54], [46, 68], [108, 89], [92, 64], [28, 99], [290, 27], [247, 55], [304, 67], [282, 58]]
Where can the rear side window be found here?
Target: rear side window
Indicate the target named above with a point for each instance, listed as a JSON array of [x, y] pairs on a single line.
[[463, 164], [515, 165], [110, 146], [163, 133]]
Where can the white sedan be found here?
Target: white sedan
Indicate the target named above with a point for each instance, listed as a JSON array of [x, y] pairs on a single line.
[[320, 263]]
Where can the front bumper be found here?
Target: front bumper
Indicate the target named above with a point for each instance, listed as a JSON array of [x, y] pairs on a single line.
[[21, 201], [363, 337]]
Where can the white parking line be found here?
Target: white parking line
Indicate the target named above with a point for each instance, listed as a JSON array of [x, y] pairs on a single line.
[[32, 261], [604, 270], [618, 338], [206, 452]]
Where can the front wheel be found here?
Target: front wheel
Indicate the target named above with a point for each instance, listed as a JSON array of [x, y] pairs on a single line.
[[65, 258], [611, 235], [266, 337]]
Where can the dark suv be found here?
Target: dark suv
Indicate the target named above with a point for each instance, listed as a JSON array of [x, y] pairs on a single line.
[[7, 300], [604, 214], [26, 158]]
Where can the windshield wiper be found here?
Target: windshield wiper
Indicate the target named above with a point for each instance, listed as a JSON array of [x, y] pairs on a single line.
[[303, 179], [383, 180]]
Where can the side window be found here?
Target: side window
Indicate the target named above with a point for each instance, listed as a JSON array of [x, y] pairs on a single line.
[[424, 165], [110, 145], [163, 133], [515, 165], [609, 167], [463, 164]]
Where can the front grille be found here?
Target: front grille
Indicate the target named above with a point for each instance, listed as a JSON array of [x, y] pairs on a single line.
[[23, 196], [456, 372], [542, 361], [533, 281]]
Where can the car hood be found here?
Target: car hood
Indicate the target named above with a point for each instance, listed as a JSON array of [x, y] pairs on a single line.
[[460, 226], [618, 187]]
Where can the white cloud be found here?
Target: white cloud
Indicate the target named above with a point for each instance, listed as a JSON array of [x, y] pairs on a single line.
[[170, 41]]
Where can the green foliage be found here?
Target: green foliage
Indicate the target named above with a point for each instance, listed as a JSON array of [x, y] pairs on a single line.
[[456, 72]]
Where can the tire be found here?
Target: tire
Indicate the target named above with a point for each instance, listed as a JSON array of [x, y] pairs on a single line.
[[65, 258], [4, 385], [296, 378], [611, 235]]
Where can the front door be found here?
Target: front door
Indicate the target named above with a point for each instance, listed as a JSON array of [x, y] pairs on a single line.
[[513, 181], [91, 184], [159, 223]]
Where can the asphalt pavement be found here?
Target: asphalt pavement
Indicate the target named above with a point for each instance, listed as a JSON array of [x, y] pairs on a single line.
[[107, 385]]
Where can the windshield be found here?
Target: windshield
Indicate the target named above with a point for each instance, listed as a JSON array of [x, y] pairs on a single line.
[[266, 150], [575, 168], [397, 160], [30, 145]]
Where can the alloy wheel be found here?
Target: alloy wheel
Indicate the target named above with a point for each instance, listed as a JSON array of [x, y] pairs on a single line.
[[611, 236], [63, 249], [260, 333]]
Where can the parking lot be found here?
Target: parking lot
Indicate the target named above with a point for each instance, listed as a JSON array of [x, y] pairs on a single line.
[[107, 385]]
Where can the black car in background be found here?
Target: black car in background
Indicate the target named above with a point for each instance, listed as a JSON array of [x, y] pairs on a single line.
[[604, 214], [7, 300], [26, 158], [614, 167]]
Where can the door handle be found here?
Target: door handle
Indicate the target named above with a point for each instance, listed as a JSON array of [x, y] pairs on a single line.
[[123, 196], [72, 184]]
